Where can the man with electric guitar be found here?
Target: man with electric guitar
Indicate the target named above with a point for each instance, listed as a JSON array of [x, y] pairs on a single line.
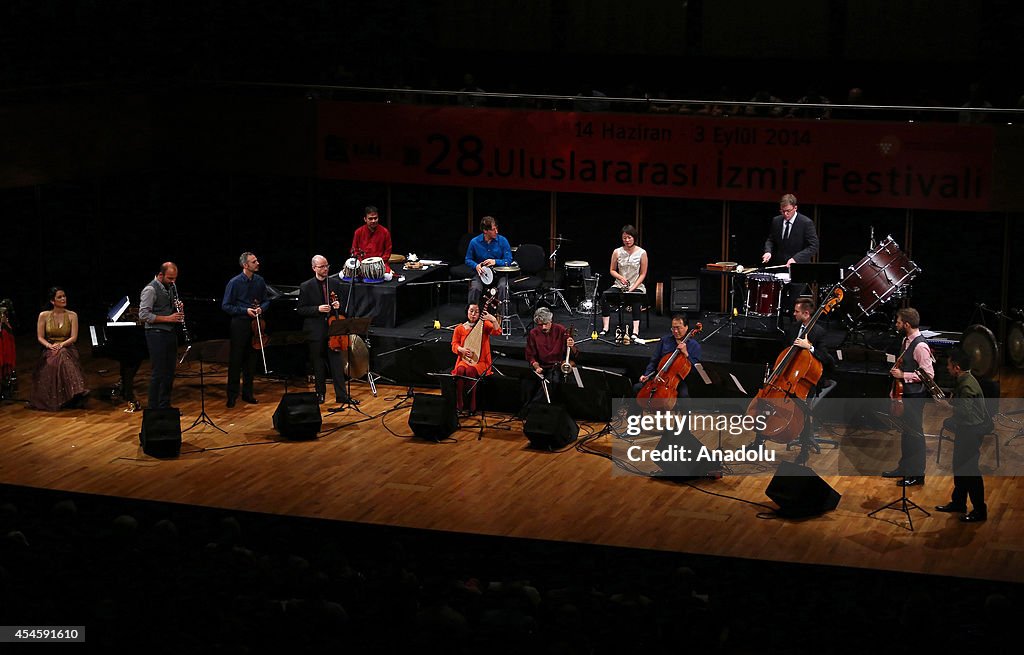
[[318, 301]]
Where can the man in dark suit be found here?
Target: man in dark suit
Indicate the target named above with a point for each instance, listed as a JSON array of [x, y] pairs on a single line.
[[316, 307], [813, 340], [791, 239]]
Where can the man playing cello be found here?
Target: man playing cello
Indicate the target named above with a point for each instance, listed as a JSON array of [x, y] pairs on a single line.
[[674, 341]]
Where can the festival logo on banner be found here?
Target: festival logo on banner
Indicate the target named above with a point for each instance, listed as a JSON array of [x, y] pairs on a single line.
[[884, 164]]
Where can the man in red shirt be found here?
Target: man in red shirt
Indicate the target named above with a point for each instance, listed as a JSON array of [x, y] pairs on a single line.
[[372, 239], [546, 346]]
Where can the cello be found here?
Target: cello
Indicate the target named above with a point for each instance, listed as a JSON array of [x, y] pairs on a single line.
[[781, 402], [660, 391]]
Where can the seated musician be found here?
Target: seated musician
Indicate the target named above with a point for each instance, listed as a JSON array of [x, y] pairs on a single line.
[[628, 268], [546, 346], [814, 341], [674, 341], [372, 239], [488, 249], [58, 380], [472, 363]]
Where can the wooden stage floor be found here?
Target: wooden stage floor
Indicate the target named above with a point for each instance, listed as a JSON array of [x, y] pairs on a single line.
[[369, 470]]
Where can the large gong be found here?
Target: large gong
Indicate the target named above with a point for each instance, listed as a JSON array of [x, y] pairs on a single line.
[[979, 342]]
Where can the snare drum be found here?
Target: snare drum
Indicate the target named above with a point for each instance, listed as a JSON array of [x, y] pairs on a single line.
[[372, 269], [575, 272], [764, 294]]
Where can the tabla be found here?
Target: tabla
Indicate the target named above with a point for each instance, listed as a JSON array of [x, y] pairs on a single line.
[[764, 295], [350, 270], [878, 278], [372, 269], [575, 272]]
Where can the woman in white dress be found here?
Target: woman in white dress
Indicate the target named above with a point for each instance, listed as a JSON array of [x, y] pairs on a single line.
[[628, 269]]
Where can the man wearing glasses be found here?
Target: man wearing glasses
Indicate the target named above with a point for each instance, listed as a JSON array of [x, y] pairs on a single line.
[[792, 239], [316, 306]]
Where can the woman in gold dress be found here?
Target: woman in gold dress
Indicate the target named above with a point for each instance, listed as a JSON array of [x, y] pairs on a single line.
[[58, 380]]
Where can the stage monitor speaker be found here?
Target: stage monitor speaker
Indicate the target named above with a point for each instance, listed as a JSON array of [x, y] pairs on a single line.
[[298, 416], [685, 295], [550, 427], [688, 469], [433, 417], [750, 347], [161, 432], [799, 492]]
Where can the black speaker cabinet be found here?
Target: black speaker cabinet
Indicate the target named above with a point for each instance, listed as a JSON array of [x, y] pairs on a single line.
[[433, 417], [799, 492], [298, 416], [550, 427], [161, 432], [685, 297], [689, 469]]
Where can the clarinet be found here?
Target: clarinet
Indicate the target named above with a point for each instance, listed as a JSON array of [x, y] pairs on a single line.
[[180, 306]]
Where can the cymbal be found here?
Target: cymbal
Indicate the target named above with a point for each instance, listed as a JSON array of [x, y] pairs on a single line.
[[561, 238]]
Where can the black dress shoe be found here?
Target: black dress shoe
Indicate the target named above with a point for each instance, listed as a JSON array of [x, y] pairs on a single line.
[[911, 481], [231, 402], [895, 473], [974, 517], [250, 399], [320, 399], [952, 507]]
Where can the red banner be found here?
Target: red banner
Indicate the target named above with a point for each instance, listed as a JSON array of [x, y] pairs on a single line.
[[883, 164]]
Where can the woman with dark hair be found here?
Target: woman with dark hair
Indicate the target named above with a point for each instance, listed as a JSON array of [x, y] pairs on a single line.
[[628, 269], [58, 380]]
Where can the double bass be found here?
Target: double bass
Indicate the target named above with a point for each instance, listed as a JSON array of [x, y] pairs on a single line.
[[782, 399], [660, 391]]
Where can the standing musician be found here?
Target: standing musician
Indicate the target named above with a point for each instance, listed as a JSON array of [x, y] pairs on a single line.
[[628, 269], [814, 341], [915, 356], [372, 239], [468, 363], [245, 300], [791, 239], [674, 341], [316, 307], [158, 313], [546, 347], [488, 249], [970, 422]]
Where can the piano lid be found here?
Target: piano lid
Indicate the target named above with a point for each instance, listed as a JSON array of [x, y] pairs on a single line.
[[117, 310]]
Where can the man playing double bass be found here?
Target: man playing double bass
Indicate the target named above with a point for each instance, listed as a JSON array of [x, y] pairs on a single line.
[[316, 307], [812, 340], [674, 341]]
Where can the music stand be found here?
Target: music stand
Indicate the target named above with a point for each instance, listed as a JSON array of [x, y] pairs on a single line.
[[216, 349], [905, 504], [352, 327]]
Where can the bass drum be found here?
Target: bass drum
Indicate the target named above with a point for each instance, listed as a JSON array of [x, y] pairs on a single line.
[[877, 279], [979, 342]]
